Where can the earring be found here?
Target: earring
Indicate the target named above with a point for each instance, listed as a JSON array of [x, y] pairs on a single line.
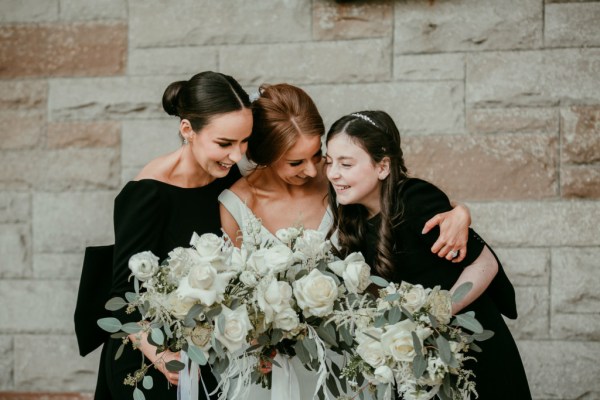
[[185, 141]]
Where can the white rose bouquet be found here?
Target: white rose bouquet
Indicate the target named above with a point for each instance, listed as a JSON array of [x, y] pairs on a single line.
[[407, 340]]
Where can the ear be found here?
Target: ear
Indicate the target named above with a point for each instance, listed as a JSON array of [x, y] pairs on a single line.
[[185, 129], [383, 168]]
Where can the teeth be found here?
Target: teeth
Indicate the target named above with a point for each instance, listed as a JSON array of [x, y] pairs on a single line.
[[224, 165]]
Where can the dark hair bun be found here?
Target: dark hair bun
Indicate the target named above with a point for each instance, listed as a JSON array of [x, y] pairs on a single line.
[[170, 98]]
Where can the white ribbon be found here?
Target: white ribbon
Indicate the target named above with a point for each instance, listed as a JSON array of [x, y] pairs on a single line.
[[284, 382], [187, 389]]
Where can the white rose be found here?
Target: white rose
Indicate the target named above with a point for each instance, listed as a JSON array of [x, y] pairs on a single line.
[[204, 283], [338, 267], [312, 245], [414, 298], [357, 274], [143, 265], [236, 325], [369, 349], [398, 341], [208, 245], [179, 262], [286, 319], [248, 278], [315, 293], [179, 307], [384, 374], [238, 259], [271, 260], [287, 235], [273, 296], [440, 305]]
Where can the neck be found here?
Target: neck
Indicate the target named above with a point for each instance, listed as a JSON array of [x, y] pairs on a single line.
[[186, 172]]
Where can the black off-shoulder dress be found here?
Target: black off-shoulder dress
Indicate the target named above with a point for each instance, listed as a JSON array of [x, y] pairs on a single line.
[[150, 215], [499, 370]]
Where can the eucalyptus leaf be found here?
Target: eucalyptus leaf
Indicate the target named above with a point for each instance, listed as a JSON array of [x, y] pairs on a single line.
[[468, 321], [346, 336], [379, 281], [419, 365], [474, 347], [327, 333], [213, 312], [276, 336], [175, 366], [461, 291], [131, 297], [332, 385], [191, 314], [157, 336], [221, 323], [311, 347], [263, 340], [168, 331], [196, 355], [119, 352], [392, 297], [434, 322], [417, 344], [118, 335], [147, 382], [302, 352], [380, 321], [444, 349], [131, 327], [485, 335], [138, 395], [301, 274], [394, 315], [114, 304], [109, 324], [136, 285]]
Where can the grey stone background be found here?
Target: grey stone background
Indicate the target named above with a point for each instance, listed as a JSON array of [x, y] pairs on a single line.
[[498, 102]]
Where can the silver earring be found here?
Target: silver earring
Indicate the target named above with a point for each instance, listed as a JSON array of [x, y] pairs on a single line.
[[185, 141]]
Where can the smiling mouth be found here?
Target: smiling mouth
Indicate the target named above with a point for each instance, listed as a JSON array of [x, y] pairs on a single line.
[[340, 188], [225, 165]]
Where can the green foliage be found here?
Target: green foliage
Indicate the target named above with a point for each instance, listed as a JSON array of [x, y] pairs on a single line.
[[114, 304], [461, 291], [109, 324]]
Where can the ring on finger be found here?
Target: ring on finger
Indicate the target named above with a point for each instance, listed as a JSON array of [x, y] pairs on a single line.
[[454, 253]]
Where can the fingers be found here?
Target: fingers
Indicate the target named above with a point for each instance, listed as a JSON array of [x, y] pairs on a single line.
[[462, 253], [432, 223]]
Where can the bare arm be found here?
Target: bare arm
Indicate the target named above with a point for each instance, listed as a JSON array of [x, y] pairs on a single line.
[[230, 226], [454, 232], [159, 360], [480, 273]]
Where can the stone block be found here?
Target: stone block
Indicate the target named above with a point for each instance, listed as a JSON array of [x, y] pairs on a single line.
[[429, 67], [107, 98], [356, 20], [575, 326], [68, 222], [529, 224], [23, 95], [15, 207], [304, 63], [513, 120], [15, 247], [84, 134], [64, 169], [582, 181], [145, 140], [57, 266], [533, 306], [533, 78], [575, 280], [6, 363], [21, 129], [52, 363], [26, 307], [572, 25], [486, 167], [526, 267], [219, 22], [19, 11], [562, 369], [75, 10], [581, 134], [416, 107], [63, 49], [128, 174], [467, 25], [172, 61]]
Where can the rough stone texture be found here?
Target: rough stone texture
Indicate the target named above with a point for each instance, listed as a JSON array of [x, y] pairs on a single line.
[[22, 129], [57, 266], [6, 363], [63, 49], [572, 24], [28, 11], [107, 98], [14, 207], [169, 61], [23, 94], [562, 369], [146, 140], [526, 267], [84, 134], [513, 120], [64, 370], [467, 25], [575, 326], [68, 222], [64, 169], [45, 396], [359, 19], [581, 134], [217, 22], [26, 308], [429, 67], [486, 167], [533, 307], [76, 10], [575, 280], [526, 224], [320, 62], [15, 247], [580, 181], [533, 78], [434, 107]]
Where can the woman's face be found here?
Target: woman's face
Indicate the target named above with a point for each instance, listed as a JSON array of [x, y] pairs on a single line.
[[301, 162], [222, 142], [353, 174]]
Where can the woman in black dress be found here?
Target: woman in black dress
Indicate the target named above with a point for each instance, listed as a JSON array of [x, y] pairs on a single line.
[[172, 197], [380, 212]]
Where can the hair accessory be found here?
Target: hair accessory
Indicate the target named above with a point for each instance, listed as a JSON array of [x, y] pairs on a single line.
[[365, 118], [254, 96]]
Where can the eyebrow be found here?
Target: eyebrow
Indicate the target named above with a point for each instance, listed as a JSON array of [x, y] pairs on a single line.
[[317, 153], [230, 140]]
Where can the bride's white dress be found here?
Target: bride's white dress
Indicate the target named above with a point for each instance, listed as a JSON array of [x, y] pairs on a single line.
[[241, 213]]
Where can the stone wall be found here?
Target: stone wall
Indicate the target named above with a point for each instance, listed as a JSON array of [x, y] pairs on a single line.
[[498, 102]]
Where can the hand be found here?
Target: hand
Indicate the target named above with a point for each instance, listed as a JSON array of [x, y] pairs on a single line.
[[454, 233], [160, 364], [265, 365]]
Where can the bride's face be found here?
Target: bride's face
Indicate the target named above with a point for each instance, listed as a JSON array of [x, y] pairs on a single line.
[[301, 162]]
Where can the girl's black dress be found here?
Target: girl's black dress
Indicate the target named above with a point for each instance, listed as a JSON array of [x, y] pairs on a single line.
[[499, 371], [150, 215]]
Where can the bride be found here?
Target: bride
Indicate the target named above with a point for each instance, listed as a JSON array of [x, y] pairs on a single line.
[[288, 188]]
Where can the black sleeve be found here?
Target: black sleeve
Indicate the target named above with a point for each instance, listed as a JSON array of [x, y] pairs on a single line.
[[139, 220]]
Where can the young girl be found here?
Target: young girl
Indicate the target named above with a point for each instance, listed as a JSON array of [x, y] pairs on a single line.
[[380, 211]]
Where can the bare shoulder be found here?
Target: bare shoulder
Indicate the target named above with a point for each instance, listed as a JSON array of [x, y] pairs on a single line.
[[156, 169], [242, 189]]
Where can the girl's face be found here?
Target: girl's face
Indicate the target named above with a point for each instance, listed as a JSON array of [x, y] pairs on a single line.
[[222, 142], [356, 179], [301, 162]]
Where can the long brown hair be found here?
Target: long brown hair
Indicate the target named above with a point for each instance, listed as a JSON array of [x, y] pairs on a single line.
[[377, 134]]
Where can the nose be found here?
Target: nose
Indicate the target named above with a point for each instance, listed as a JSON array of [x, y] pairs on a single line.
[[331, 172], [236, 154], [311, 169]]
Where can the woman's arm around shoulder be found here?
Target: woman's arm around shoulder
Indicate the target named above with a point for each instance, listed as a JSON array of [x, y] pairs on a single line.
[[480, 273]]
